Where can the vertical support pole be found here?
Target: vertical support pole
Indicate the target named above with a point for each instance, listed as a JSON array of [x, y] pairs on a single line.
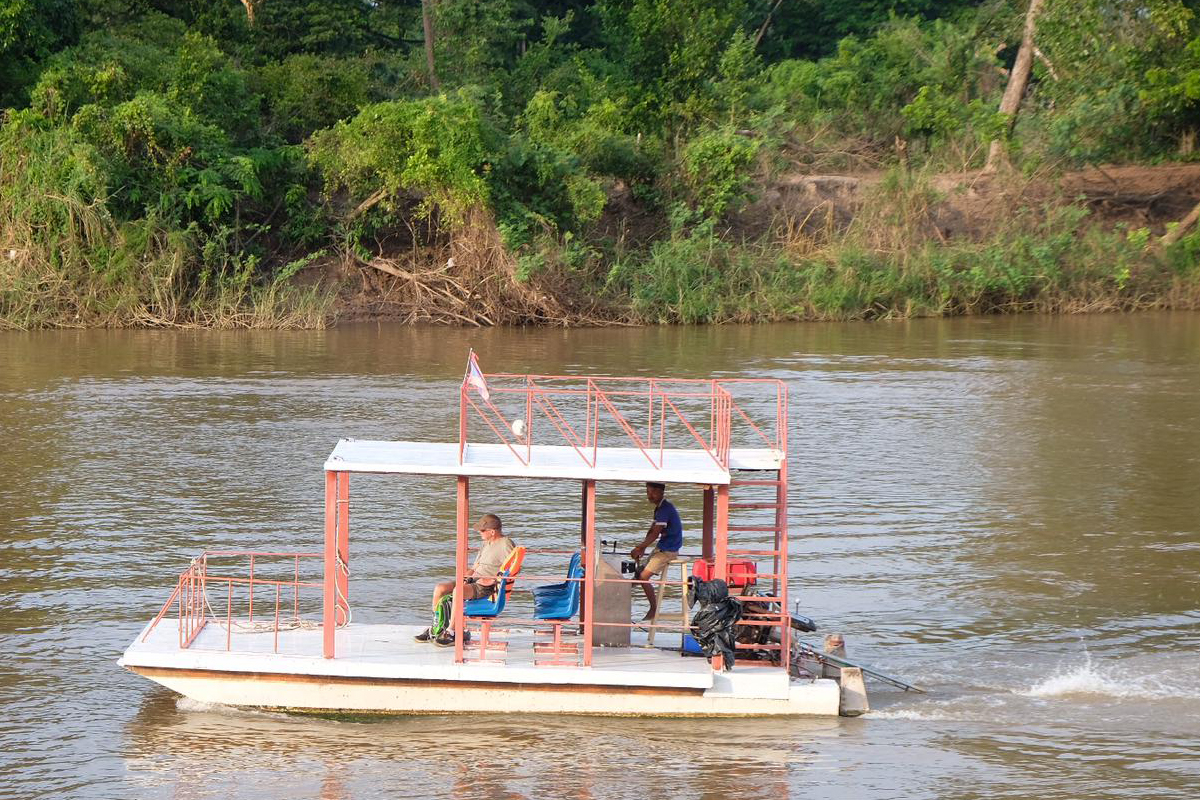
[[781, 567], [721, 555], [706, 543], [462, 422], [721, 531], [343, 547], [328, 626], [591, 560], [583, 541], [250, 613], [529, 420], [460, 562]]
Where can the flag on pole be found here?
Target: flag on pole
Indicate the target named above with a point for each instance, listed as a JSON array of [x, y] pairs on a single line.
[[475, 376]]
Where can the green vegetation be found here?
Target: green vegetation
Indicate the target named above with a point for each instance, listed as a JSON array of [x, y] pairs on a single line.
[[576, 161]]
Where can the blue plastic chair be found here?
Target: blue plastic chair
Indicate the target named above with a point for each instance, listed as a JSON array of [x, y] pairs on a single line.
[[561, 605], [551, 589], [489, 607], [485, 610], [557, 608]]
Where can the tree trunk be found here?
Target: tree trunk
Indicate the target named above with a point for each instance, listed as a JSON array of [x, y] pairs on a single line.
[[1175, 234], [251, 6], [762, 30], [1018, 79], [427, 23]]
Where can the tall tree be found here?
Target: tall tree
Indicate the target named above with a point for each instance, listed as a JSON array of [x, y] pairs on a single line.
[[1018, 79], [427, 25]]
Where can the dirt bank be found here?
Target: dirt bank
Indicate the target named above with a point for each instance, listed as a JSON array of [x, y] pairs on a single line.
[[971, 204]]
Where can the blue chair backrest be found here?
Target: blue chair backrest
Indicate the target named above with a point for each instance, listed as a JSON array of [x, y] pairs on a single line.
[[565, 606], [575, 590], [489, 608]]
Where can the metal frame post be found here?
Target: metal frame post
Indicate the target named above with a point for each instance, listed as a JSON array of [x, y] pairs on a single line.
[[706, 542], [591, 560], [721, 530], [781, 567], [328, 618], [460, 562], [343, 547], [721, 562]]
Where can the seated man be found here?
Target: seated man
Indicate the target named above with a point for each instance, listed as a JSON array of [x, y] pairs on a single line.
[[480, 582], [668, 530]]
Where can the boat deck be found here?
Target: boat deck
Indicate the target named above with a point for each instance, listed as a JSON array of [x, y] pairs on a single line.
[[388, 652]]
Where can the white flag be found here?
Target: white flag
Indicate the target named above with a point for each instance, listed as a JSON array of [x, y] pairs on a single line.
[[475, 376]]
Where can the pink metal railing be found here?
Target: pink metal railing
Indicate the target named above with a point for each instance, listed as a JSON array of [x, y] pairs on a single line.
[[195, 609], [676, 401]]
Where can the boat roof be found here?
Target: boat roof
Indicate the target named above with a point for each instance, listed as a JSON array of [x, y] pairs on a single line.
[[545, 461]]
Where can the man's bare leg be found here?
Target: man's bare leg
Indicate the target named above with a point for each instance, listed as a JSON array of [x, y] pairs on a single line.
[[645, 576], [441, 590]]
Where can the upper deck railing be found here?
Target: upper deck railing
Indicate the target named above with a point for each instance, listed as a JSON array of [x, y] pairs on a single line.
[[652, 414]]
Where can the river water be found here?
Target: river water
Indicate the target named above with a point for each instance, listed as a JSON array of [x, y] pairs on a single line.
[[1003, 510]]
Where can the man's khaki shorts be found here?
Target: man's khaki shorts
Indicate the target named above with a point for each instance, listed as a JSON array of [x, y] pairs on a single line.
[[477, 591], [658, 561]]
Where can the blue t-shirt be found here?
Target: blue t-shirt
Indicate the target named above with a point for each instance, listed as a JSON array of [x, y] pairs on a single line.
[[672, 538]]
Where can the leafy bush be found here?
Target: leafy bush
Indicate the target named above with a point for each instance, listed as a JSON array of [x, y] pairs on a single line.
[[1121, 72], [716, 170], [304, 93], [437, 149]]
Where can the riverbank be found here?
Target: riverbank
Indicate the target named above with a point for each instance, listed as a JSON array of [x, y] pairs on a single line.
[[857, 246], [877, 244]]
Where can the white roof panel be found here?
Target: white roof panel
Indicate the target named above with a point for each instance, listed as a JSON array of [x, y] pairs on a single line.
[[547, 461]]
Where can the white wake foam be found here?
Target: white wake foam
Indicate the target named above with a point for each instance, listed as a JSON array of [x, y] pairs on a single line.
[[1108, 681], [920, 715], [199, 706], [188, 704]]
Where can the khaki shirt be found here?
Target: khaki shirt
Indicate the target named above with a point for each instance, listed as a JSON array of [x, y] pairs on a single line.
[[487, 563]]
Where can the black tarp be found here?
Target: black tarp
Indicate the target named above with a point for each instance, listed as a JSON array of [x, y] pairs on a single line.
[[712, 625]]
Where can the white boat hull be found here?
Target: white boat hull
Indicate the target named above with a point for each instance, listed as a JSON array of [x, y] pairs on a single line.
[[327, 695], [385, 672]]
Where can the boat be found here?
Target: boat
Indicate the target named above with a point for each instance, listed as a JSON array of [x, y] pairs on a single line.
[[275, 630]]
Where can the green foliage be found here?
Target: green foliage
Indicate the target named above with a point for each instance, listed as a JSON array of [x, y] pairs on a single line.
[[698, 277], [716, 170], [161, 57], [869, 82], [437, 149], [304, 93], [30, 31], [812, 28], [672, 49], [1121, 75], [1175, 88], [69, 262], [1039, 262], [478, 39], [324, 27], [939, 117]]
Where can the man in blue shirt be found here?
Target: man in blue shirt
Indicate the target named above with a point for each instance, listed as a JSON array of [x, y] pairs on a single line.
[[667, 529]]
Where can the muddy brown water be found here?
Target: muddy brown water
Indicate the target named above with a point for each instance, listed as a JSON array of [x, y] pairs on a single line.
[[1003, 510]]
